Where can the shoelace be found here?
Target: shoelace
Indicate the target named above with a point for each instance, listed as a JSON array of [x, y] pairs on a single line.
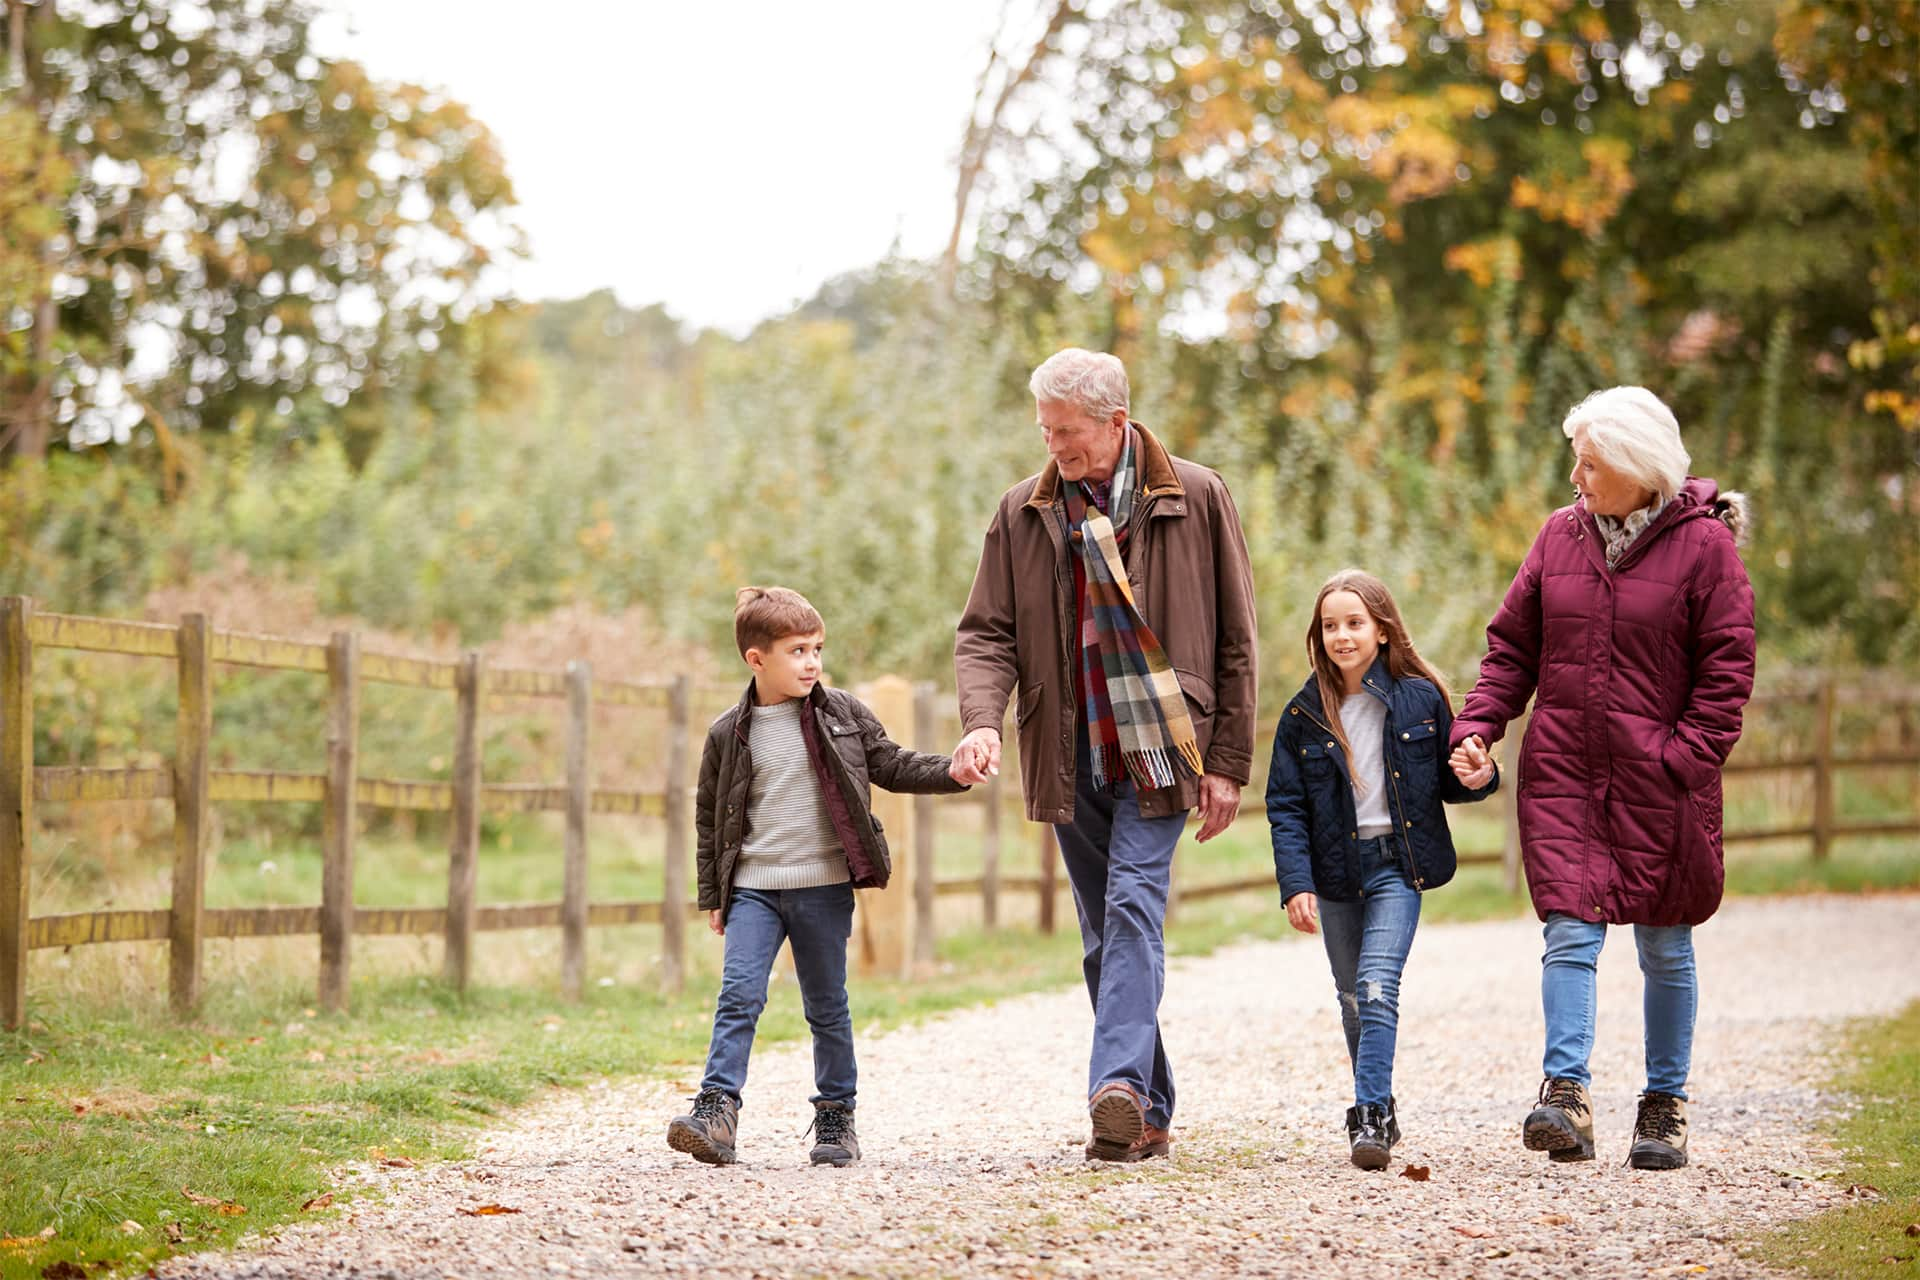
[[1657, 1118], [709, 1105], [1559, 1093], [829, 1125]]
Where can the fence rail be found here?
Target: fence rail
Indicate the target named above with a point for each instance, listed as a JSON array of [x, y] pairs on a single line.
[[897, 929]]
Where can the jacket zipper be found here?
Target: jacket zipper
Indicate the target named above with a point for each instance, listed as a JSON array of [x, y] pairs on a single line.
[[1356, 813]]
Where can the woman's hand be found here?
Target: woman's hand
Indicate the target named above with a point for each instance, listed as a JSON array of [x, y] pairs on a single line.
[[1303, 912], [717, 923], [1471, 763]]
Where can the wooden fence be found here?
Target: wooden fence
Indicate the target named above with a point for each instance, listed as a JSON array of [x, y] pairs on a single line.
[[897, 928]]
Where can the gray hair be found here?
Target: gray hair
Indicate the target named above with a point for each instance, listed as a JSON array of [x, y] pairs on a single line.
[[1633, 432], [1094, 380]]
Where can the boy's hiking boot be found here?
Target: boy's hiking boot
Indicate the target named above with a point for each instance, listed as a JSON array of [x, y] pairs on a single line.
[[834, 1141], [1659, 1132], [1119, 1124], [707, 1132], [1562, 1123], [1369, 1141]]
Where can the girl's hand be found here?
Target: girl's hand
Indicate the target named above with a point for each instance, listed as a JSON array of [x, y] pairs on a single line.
[[1471, 763], [1303, 912], [717, 923]]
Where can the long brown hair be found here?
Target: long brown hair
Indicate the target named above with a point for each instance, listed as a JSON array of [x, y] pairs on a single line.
[[1403, 660]]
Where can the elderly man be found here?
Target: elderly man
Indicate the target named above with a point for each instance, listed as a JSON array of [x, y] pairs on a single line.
[[1114, 591]]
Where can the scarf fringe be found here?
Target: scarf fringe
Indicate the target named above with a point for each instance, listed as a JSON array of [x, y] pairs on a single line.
[[1150, 768]]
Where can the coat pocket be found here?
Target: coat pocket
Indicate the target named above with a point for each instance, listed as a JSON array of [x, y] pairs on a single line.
[[1028, 704]]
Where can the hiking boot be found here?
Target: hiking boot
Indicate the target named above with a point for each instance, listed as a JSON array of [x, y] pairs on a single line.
[[707, 1132], [1562, 1124], [834, 1141], [1369, 1142], [1119, 1122], [1393, 1122], [1659, 1132]]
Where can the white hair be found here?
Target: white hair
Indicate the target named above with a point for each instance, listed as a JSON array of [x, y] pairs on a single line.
[[1630, 430], [1093, 380]]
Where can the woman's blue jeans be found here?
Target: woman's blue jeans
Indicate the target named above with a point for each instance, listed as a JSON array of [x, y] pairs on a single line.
[[1567, 994], [1367, 945]]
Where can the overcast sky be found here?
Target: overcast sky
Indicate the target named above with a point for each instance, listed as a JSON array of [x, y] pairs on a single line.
[[724, 160]]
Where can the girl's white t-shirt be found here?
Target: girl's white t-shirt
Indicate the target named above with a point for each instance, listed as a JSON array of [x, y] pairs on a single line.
[[1364, 717]]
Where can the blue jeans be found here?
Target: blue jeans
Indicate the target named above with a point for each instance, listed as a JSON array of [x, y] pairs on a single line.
[[1671, 995], [1367, 944], [818, 922], [1121, 867]]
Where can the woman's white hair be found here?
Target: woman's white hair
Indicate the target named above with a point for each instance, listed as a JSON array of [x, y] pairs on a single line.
[[1630, 430], [1094, 380]]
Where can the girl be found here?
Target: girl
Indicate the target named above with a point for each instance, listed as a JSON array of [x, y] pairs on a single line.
[[1359, 771]]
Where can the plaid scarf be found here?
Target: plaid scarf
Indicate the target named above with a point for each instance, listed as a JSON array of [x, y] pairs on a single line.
[[1137, 723]]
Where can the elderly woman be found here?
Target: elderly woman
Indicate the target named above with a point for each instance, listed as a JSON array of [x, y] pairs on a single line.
[[1631, 619]]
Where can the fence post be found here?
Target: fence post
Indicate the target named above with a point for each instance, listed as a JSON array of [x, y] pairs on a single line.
[[889, 913], [1049, 867], [464, 851], [16, 803], [573, 893], [990, 854], [673, 880], [1510, 784], [925, 884], [1823, 769], [187, 916], [338, 820]]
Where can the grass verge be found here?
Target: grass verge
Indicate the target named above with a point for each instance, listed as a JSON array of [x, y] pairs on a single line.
[[1881, 1139]]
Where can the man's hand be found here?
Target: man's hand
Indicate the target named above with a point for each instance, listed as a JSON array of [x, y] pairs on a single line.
[[1471, 763], [717, 923], [976, 758], [1219, 805], [1303, 912]]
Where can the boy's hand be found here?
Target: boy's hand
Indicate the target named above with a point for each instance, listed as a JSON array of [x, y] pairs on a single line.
[[976, 758], [1303, 912], [1471, 763], [717, 923]]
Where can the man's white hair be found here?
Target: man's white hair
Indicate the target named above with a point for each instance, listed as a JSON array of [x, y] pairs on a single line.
[[1630, 430], [1094, 380]]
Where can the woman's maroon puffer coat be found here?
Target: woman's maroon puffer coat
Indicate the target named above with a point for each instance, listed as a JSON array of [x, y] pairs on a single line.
[[1641, 673]]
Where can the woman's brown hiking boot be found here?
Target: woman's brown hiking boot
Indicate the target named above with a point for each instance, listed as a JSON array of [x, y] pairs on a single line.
[[1562, 1123], [1659, 1132]]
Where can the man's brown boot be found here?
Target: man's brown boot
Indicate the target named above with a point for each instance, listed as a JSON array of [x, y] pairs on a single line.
[[1659, 1132], [1119, 1121], [1562, 1123], [707, 1132]]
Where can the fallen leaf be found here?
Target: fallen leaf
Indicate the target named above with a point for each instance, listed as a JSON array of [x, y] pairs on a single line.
[[174, 1234], [320, 1201], [204, 1201], [63, 1270], [1474, 1233], [1498, 1251], [1864, 1191], [1913, 1228], [19, 1242], [1553, 1219], [1417, 1172], [226, 1208], [231, 1210], [397, 1162], [486, 1211], [80, 1105], [131, 1228]]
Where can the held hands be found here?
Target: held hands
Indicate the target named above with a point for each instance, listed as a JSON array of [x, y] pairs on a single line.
[[1303, 912], [717, 923], [1471, 763], [976, 758]]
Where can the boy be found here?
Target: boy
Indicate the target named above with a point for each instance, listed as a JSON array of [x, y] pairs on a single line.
[[785, 837]]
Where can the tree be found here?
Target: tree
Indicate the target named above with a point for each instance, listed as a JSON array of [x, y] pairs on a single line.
[[243, 224]]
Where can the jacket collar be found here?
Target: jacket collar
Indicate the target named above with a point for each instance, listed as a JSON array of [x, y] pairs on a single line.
[[1378, 680], [1698, 497], [1156, 472], [817, 699]]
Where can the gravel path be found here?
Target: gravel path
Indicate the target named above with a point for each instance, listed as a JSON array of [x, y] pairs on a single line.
[[973, 1124]]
